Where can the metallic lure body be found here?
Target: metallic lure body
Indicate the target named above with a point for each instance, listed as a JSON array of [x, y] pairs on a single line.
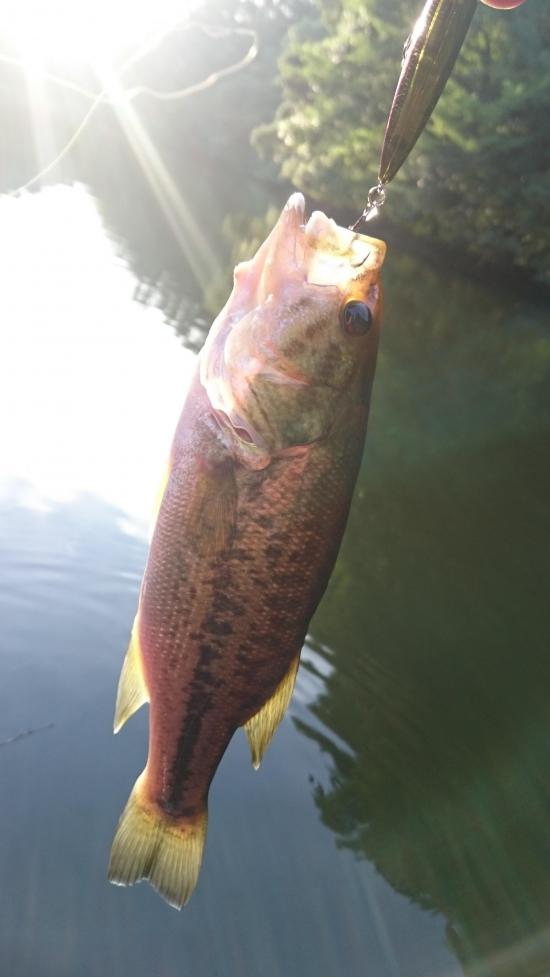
[[261, 474], [429, 58]]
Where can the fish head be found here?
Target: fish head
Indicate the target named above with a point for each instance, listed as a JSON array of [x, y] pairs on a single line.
[[297, 338]]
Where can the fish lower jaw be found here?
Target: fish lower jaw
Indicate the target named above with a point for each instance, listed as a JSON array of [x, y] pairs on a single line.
[[297, 202]]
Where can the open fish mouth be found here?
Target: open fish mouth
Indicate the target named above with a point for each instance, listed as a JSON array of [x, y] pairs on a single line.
[[314, 252], [320, 231]]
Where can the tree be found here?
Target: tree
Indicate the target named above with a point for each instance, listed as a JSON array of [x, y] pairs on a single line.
[[478, 179]]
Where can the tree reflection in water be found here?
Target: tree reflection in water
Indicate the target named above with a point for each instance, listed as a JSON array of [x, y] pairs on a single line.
[[438, 617]]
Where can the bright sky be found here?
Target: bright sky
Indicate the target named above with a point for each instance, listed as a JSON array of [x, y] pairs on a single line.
[[84, 30], [91, 382]]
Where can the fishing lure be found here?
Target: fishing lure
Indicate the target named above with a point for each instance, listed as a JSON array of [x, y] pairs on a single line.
[[429, 56]]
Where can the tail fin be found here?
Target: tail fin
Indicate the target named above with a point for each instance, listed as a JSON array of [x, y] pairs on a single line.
[[149, 844]]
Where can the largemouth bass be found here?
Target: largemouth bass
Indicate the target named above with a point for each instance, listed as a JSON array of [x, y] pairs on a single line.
[[261, 473]]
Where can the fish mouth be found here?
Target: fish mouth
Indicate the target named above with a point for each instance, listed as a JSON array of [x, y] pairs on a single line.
[[313, 252]]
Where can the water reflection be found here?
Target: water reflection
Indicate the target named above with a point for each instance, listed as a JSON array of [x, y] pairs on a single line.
[[421, 726], [90, 385], [438, 613], [275, 897], [90, 394]]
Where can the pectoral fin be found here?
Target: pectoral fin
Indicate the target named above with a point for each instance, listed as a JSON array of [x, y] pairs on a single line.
[[216, 509], [261, 727], [132, 692]]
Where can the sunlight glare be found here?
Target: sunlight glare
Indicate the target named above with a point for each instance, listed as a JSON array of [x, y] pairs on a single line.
[[91, 382], [186, 229], [84, 30]]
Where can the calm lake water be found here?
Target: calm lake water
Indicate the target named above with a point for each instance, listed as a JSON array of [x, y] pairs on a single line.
[[400, 823]]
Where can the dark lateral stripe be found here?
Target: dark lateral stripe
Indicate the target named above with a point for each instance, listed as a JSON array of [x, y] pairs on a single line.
[[199, 704], [188, 779]]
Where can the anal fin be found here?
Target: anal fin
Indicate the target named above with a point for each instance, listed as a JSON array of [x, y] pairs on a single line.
[[261, 727], [132, 692]]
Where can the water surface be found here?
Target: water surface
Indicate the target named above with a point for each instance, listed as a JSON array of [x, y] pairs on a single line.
[[399, 824]]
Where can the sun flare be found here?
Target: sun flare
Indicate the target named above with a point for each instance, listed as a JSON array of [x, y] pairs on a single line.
[[84, 31]]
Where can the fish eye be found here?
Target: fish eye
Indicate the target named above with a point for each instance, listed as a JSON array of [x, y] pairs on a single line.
[[356, 318]]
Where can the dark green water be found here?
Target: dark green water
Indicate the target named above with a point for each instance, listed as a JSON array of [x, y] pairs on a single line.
[[400, 824]]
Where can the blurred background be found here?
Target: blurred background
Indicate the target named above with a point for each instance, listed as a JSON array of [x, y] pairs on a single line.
[[400, 824]]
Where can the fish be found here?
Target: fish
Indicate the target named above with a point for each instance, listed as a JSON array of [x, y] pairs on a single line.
[[257, 492]]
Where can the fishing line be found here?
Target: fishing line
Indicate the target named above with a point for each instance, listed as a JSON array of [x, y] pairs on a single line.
[[104, 97], [24, 733]]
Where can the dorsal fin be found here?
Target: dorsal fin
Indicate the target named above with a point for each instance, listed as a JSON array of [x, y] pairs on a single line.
[[260, 728], [132, 691], [160, 493]]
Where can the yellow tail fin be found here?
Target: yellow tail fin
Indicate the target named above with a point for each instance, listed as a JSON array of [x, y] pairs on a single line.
[[149, 844]]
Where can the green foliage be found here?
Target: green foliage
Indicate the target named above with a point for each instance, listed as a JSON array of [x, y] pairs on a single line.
[[478, 179]]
